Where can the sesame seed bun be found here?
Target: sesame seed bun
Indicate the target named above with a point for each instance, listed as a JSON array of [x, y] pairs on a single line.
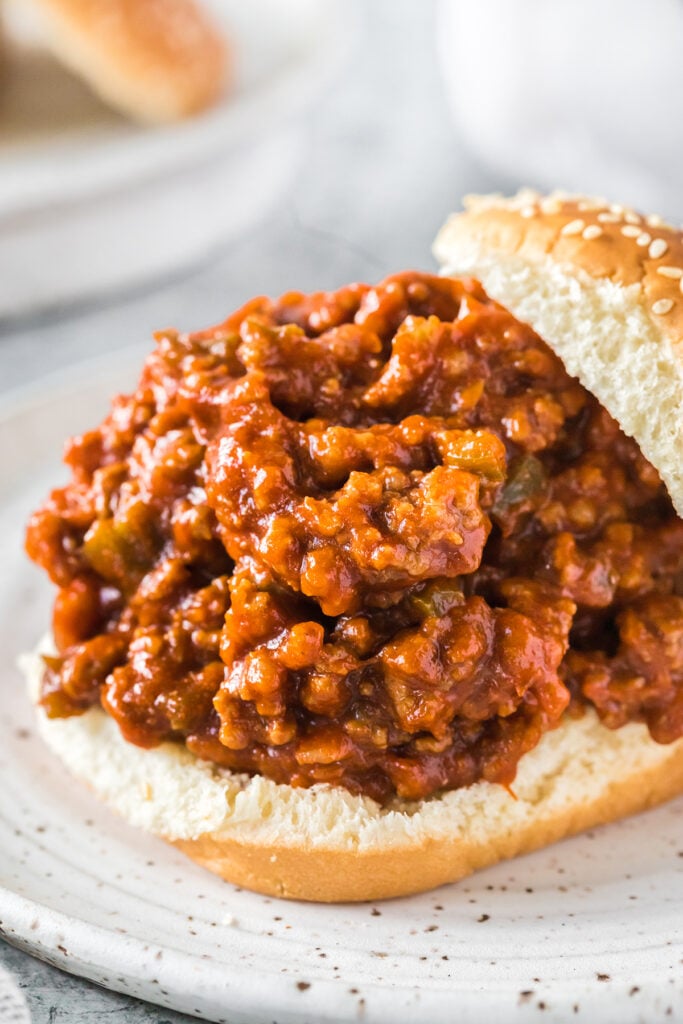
[[603, 286], [156, 60]]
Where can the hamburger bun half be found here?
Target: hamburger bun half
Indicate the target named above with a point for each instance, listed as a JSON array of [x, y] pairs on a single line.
[[326, 845], [155, 60], [599, 298]]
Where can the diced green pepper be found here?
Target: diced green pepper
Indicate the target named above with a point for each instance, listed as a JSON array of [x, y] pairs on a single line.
[[437, 598], [121, 551], [525, 478]]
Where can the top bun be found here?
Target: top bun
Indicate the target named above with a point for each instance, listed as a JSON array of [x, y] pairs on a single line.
[[603, 286], [156, 60]]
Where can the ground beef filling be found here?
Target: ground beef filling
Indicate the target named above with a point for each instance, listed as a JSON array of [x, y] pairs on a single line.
[[377, 538]]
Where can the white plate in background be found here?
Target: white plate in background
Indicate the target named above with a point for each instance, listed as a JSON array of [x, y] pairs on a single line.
[[589, 930], [91, 202]]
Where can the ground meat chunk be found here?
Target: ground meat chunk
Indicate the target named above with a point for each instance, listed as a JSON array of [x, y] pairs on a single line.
[[349, 516], [643, 680]]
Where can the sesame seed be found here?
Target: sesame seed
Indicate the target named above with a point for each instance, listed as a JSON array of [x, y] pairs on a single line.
[[527, 211], [592, 231], [550, 205], [608, 218], [630, 231], [658, 248], [525, 197], [655, 221], [674, 272], [631, 218], [662, 306], [643, 239], [574, 227], [617, 208]]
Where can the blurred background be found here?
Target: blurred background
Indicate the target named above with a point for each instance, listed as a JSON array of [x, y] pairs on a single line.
[[341, 136]]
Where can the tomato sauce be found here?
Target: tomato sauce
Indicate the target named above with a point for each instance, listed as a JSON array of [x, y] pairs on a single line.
[[376, 538]]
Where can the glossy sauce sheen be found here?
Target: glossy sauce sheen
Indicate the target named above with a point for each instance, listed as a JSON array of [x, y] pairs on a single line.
[[377, 538]]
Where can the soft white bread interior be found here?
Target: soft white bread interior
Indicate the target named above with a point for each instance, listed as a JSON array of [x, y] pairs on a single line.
[[156, 60], [325, 844], [603, 286]]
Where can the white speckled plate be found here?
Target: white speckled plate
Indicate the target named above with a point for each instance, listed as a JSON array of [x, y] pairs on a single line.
[[591, 929]]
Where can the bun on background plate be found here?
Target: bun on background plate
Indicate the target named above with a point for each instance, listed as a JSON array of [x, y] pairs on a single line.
[[155, 60]]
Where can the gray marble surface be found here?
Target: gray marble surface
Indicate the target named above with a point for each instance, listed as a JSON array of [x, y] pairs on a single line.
[[381, 170]]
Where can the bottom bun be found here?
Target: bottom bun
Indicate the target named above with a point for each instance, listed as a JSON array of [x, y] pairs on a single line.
[[325, 844]]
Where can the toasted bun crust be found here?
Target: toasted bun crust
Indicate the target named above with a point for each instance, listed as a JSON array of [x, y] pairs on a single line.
[[324, 844], [156, 60], [603, 286]]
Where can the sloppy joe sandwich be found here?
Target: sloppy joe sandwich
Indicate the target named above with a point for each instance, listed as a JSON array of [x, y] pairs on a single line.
[[361, 591]]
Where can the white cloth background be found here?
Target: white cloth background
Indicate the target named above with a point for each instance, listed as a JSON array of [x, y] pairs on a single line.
[[13, 1008]]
